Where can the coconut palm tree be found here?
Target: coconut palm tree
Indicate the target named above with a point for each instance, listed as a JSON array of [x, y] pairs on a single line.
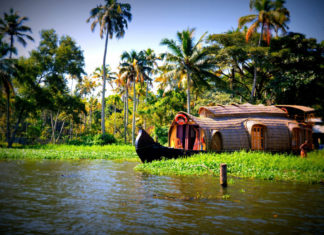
[[187, 60], [281, 17], [133, 68], [270, 15], [113, 19], [123, 83], [115, 99], [12, 25], [110, 75], [6, 69], [150, 61]]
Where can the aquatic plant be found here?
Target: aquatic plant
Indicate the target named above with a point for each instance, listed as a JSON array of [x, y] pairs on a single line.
[[111, 152], [254, 165]]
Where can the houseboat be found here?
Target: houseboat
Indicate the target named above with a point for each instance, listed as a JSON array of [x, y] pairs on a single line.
[[278, 128]]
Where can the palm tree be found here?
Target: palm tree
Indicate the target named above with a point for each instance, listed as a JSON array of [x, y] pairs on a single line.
[[86, 86], [188, 60], [122, 83], [113, 19], [12, 25], [110, 75], [116, 101], [150, 61], [271, 15], [281, 17], [6, 69], [134, 70]]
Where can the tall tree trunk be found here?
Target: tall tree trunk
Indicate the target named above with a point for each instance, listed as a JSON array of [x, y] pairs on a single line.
[[71, 129], [126, 115], [54, 124], [134, 110], [231, 82], [8, 134], [188, 91], [58, 137], [147, 88], [115, 121], [85, 122], [8, 116], [124, 100], [103, 130], [12, 138], [11, 46], [90, 116], [255, 69]]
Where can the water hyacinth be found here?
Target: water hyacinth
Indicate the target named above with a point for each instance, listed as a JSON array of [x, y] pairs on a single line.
[[110, 152], [254, 165]]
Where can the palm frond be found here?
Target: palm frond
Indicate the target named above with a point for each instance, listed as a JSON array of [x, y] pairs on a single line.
[[246, 19]]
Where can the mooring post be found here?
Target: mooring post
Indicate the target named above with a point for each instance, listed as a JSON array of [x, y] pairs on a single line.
[[223, 174]]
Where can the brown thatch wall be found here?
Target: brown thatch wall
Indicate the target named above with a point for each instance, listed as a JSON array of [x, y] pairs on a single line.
[[234, 125], [277, 132], [236, 131]]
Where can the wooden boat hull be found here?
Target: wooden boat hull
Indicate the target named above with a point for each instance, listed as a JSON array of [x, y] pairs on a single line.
[[148, 150]]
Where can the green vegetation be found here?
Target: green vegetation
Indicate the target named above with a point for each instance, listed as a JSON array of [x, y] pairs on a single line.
[[253, 165], [111, 152], [247, 64], [112, 18], [99, 139]]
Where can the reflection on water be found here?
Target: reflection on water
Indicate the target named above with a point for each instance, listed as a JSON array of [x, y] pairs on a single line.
[[100, 196]]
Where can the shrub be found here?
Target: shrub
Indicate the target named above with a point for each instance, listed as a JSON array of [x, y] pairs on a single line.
[[161, 133], [102, 139], [99, 139]]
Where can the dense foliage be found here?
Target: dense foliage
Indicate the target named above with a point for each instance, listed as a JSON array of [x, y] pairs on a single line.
[[110, 152], [46, 96]]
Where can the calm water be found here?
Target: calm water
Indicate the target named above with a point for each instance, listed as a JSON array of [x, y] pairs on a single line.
[[98, 196]]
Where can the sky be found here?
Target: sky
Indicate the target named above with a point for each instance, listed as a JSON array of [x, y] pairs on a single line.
[[152, 21]]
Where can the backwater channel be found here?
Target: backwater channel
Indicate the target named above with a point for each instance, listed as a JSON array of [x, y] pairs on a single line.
[[108, 197]]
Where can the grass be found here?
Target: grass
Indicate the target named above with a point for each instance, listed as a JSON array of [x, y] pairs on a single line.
[[254, 165], [111, 152]]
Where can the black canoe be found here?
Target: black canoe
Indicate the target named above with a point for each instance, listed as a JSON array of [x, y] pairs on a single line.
[[148, 150]]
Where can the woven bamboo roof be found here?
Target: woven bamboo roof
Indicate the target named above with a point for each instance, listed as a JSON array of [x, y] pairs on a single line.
[[230, 122], [206, 122], [298, 107], [234, 109]]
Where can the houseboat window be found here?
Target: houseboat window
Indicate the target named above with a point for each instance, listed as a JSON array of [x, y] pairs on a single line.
[[296, 138], [257, 137], [216, 143]]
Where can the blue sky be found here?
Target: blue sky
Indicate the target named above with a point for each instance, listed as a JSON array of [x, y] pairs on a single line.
[[152, 21]]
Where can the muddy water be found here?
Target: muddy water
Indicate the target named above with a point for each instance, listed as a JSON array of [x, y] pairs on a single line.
[[98, 196]]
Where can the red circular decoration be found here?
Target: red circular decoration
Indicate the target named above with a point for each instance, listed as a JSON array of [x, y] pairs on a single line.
[[181, 119]]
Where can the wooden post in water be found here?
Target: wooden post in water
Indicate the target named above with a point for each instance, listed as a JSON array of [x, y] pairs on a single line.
[[223, 174]]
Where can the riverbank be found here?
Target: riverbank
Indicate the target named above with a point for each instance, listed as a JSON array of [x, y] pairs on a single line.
[[253, 165], [109, 152]]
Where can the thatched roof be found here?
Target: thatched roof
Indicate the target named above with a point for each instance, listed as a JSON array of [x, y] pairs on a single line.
[[209, 123], [304, 109], [233, 122], [242, 109]]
